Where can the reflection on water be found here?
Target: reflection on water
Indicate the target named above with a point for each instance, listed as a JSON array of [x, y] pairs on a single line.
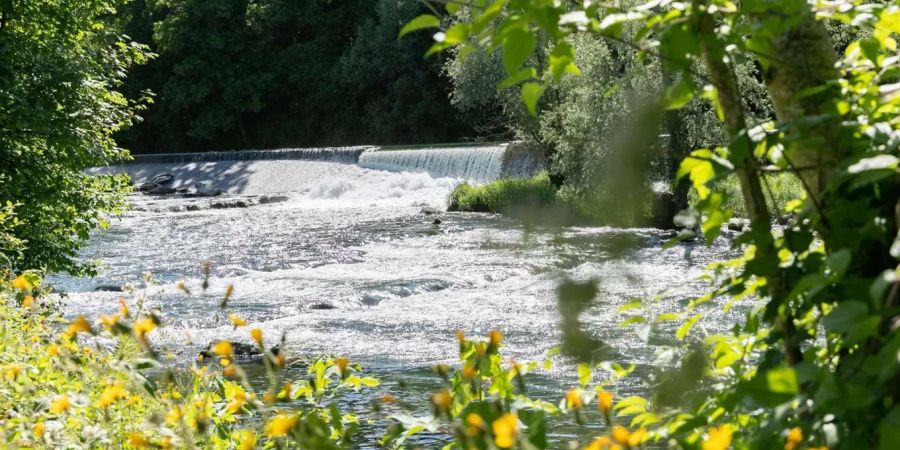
[[351, 266]]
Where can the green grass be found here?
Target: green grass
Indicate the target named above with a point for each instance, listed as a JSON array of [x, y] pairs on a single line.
[[504, 196]]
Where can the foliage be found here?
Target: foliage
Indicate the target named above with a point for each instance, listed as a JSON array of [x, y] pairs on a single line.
[[606, 134], [274, 73], [781, 190], [62, 68], [502, 195], [814, 364], [102, 385]]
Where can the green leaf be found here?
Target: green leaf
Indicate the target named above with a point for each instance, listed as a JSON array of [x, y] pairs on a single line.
[[520, 76], [517, 47], [457, 34], [774, 386], [875, 163], [584, 374], [452, 7], [562, 60], [685, 328], [782, 380], [845, 316], [679, 94], [420, 23], [531, 93]]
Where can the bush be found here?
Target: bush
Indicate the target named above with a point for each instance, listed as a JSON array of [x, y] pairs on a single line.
[[503, 196]]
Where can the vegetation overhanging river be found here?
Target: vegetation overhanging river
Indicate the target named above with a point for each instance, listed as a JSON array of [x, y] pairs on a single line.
[[350, 265]]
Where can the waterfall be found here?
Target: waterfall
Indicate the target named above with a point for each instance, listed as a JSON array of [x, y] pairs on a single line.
[[346, 155], [480, 164]]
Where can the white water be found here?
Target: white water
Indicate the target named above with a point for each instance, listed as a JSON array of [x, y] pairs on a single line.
[[472, 163], [354, 239]]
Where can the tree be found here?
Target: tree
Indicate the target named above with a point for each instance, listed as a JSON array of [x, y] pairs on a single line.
[[59, 107], [815, 362]]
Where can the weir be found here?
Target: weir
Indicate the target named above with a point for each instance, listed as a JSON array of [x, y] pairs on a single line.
[[478, 163]]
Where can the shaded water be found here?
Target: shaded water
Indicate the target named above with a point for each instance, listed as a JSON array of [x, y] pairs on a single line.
[[355, 240]]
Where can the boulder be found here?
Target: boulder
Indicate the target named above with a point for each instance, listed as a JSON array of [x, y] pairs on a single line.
[[144, 187], [231, 204], [266, 199], [163, 179], [429, 210], [322, 306], [436, 222], [161, 190], [736, 225], [242, 352], [107, 288]]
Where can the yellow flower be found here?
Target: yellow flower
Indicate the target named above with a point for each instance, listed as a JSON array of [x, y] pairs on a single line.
[[229, 290], [637, 438], [12, 372], [794, 438], [237, 320], [468, 372], [246, 440], [223, 349], [20, 283], [257, 335], [388, 398], [460, 336], [341, 363], [111, 394], [137, 440], [79, 325], [27, 301], [174, 415], [573, 399], [496, 337], [441, 400], [229, 371], [281, 425], [505, 429], [53, 350], [123, 308], [621, 434], [237, 400], [142, 327], [59, 404], [601, 443], [719, 438], [38, 429], [474, 424], [109, 321], [606, 401]]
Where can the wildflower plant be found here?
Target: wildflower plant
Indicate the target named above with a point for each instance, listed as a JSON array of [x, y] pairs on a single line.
[[62, 389]]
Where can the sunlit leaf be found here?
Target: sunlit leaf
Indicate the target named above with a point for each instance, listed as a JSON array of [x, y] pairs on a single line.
[[421, 22]]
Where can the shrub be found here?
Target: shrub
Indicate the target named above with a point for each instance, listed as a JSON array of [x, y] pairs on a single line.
[[504, 196]]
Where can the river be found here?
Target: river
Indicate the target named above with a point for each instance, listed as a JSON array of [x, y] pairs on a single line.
[[349, 264]]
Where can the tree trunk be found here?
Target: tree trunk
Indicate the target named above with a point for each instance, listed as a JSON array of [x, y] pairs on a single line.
[[803, 59], [724, 80]]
